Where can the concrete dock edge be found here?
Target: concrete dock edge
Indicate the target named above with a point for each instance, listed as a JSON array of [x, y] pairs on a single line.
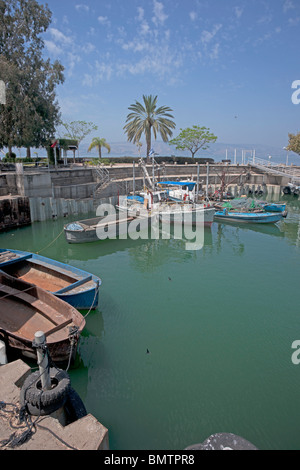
[[86, 433]]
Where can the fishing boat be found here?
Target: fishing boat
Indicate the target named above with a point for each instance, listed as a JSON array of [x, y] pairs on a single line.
[[179, 190], [158, 204], [97, 228], [273, 206], [76, 287], [248, 217], [189, 214], [26, 309]]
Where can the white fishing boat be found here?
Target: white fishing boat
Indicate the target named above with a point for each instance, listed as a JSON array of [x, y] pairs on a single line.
[[179, 190], [159, 204]]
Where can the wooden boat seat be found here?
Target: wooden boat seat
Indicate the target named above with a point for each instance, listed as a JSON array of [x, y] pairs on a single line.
[[44, 309]]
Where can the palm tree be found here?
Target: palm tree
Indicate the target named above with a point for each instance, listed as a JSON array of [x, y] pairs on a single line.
[[98, 143], [146, 118]]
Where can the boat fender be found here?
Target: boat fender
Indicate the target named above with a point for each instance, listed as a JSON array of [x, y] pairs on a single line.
[[284, 214], [74, 407], [44, 402]]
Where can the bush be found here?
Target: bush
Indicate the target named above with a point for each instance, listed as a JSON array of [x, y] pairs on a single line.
[[10, 158]]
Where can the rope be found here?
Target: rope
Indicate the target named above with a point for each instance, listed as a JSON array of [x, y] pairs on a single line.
[[23, 416], [74, 333], [37, 252]]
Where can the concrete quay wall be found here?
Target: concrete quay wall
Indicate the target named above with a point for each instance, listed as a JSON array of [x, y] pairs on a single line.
[[81, 182], [73, 191]]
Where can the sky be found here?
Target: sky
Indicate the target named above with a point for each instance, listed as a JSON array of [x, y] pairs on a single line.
[[228, 65]]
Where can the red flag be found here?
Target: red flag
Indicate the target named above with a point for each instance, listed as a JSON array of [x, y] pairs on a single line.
[[54, 145]]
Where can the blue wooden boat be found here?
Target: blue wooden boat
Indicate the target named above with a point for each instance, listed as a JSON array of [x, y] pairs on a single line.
[[72, 285], [248, 217], [273, 206]]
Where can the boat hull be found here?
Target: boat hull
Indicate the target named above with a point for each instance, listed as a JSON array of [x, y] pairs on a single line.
[[96, 229], [72, 285], [248, 217], [26, 309], [194, 217]]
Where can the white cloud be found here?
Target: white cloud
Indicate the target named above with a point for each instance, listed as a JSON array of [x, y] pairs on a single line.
[[58, 36], [103, 71], [82, 7], [294, 21], [88, 48], [141, 12], [288, 5], [53, 48], [266, 19], [207, 36], [144, 27], [103, 20], [214, 53], [238, 11], [73, 59], [87, 80], [159, 15], [193, 15]]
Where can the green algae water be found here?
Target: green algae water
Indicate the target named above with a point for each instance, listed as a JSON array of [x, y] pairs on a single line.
[[185, 344]]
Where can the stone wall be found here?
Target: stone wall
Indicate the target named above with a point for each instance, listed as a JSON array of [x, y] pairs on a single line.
[[14, 212]]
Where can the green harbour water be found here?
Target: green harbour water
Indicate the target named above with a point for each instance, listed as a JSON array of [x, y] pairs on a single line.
[[218, 323]]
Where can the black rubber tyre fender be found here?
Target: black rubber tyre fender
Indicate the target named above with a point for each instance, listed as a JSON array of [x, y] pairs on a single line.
[[44, 402], [74, 407]]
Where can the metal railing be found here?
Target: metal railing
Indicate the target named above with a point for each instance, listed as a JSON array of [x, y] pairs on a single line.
[[275, 168]]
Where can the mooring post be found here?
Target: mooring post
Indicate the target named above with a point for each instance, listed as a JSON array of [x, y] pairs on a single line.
[[43, 363], [207, 179]]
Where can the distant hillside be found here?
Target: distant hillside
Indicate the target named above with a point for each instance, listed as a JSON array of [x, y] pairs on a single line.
[[218, 151]]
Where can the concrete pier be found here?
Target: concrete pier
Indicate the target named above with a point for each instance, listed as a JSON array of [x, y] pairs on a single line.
[[86, 433]]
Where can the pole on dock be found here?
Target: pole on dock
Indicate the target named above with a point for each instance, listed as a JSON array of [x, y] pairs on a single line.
[[198, 174], [133, 182], [153, 173], [207, 179], [43, 362]]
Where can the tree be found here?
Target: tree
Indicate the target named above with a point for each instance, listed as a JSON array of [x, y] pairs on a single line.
[[146, 118], [31, 111], [99, 143], [78, 130], [294, 143], [193, 139]]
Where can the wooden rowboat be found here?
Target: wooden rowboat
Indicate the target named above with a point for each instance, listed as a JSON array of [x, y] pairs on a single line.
[[26, 309], [79, 288], [95, 229], [248, 217]]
